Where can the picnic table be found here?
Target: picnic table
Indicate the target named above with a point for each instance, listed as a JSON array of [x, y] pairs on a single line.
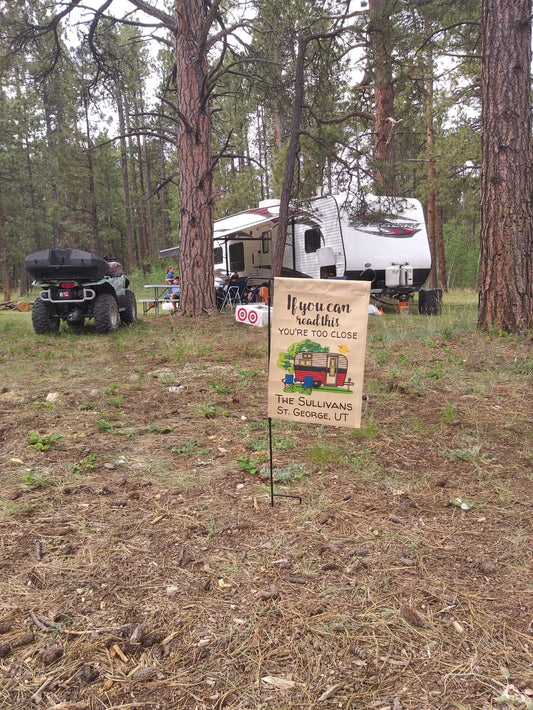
[[159, 291]]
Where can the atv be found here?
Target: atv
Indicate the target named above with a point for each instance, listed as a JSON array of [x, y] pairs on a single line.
[[77, 285]]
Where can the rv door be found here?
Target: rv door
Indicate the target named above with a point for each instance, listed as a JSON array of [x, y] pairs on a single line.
[[331, 370]]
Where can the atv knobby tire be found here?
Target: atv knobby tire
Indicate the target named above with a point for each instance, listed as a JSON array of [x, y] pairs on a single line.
[[129, 314], [106, 316], [44, 317]]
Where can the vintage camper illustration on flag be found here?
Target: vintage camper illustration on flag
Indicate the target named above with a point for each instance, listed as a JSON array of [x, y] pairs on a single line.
[[318, 341]]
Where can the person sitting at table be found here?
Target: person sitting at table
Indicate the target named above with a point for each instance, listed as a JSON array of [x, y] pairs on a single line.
[[169, 278], [174, 292]]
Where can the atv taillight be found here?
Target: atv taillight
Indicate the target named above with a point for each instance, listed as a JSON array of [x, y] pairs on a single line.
[[68, 285]]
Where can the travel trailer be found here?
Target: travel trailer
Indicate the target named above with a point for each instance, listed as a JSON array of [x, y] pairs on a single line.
[[383, 241], [321, 368]]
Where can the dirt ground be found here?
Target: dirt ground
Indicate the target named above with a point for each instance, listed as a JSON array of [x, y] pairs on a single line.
[[143, 564]]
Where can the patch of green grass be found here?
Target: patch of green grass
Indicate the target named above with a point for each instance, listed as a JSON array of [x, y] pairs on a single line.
[[327, 453], [280, 442], [161, 429], [368, 430], [246, 375], [33, 481], [219, 388], [204, 349], [190, 447], [212, 412], [87, 462], [449, 413], [292, 472], [472, 453]]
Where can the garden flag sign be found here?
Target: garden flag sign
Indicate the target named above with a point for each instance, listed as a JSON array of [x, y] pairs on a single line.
[[317, 351]]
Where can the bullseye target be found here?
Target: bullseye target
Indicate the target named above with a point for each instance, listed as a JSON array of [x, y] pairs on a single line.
[[242, 315], [253, 317]]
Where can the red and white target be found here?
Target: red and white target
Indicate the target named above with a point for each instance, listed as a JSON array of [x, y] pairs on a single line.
[[242, 315], [253, 317], [252, 314]]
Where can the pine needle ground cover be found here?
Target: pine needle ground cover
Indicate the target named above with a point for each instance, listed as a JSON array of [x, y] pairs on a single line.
[[142, 565]]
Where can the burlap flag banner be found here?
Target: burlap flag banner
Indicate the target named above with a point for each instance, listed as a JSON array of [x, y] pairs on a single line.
[[317, 351]]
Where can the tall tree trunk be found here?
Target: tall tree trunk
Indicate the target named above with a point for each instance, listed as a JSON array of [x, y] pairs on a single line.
[[439, 246], [93, 215], [195, 180], [125, 181], [431, 174], [384, 122], [431, 220], [50, 149], [147, 192], [506, 258], [283, 223], [3, 257], [137, 181], [163, 199]]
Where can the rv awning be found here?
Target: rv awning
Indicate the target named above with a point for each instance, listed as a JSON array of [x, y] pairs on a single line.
[[243, 221], [167, 253]]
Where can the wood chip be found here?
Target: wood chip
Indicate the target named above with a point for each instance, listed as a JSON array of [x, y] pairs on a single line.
[[117, 651], [330, 691], [411, 617], [277, 682]]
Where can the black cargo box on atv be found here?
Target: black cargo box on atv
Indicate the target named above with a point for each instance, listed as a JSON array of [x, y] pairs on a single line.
[[65, 263]]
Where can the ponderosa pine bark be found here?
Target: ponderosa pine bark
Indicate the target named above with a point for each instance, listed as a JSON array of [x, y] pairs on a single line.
[[195, 179], [384, 121], [506, 258]]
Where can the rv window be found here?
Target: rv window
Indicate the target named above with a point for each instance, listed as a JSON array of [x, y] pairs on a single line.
[[312, 240], [219, 255], [236, 256], [265, 243]]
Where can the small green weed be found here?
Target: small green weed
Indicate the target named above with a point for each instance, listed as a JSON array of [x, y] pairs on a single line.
[[212, 411], [219, 388], [104, 425], [42, 442], [279, 443], [252, 466], [246, 375], [449, 413], [190, 447], [87, 462], [471, 454], [292, 472], [161, 429], [327, 454], [33, 481], [369, 429], [113, 387], [116, 401]]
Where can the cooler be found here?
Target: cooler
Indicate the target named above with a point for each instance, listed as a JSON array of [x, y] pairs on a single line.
[[253, 314]]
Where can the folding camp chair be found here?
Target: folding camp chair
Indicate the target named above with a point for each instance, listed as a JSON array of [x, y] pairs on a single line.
[[308, 384], [235, 294], [288, 382]]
